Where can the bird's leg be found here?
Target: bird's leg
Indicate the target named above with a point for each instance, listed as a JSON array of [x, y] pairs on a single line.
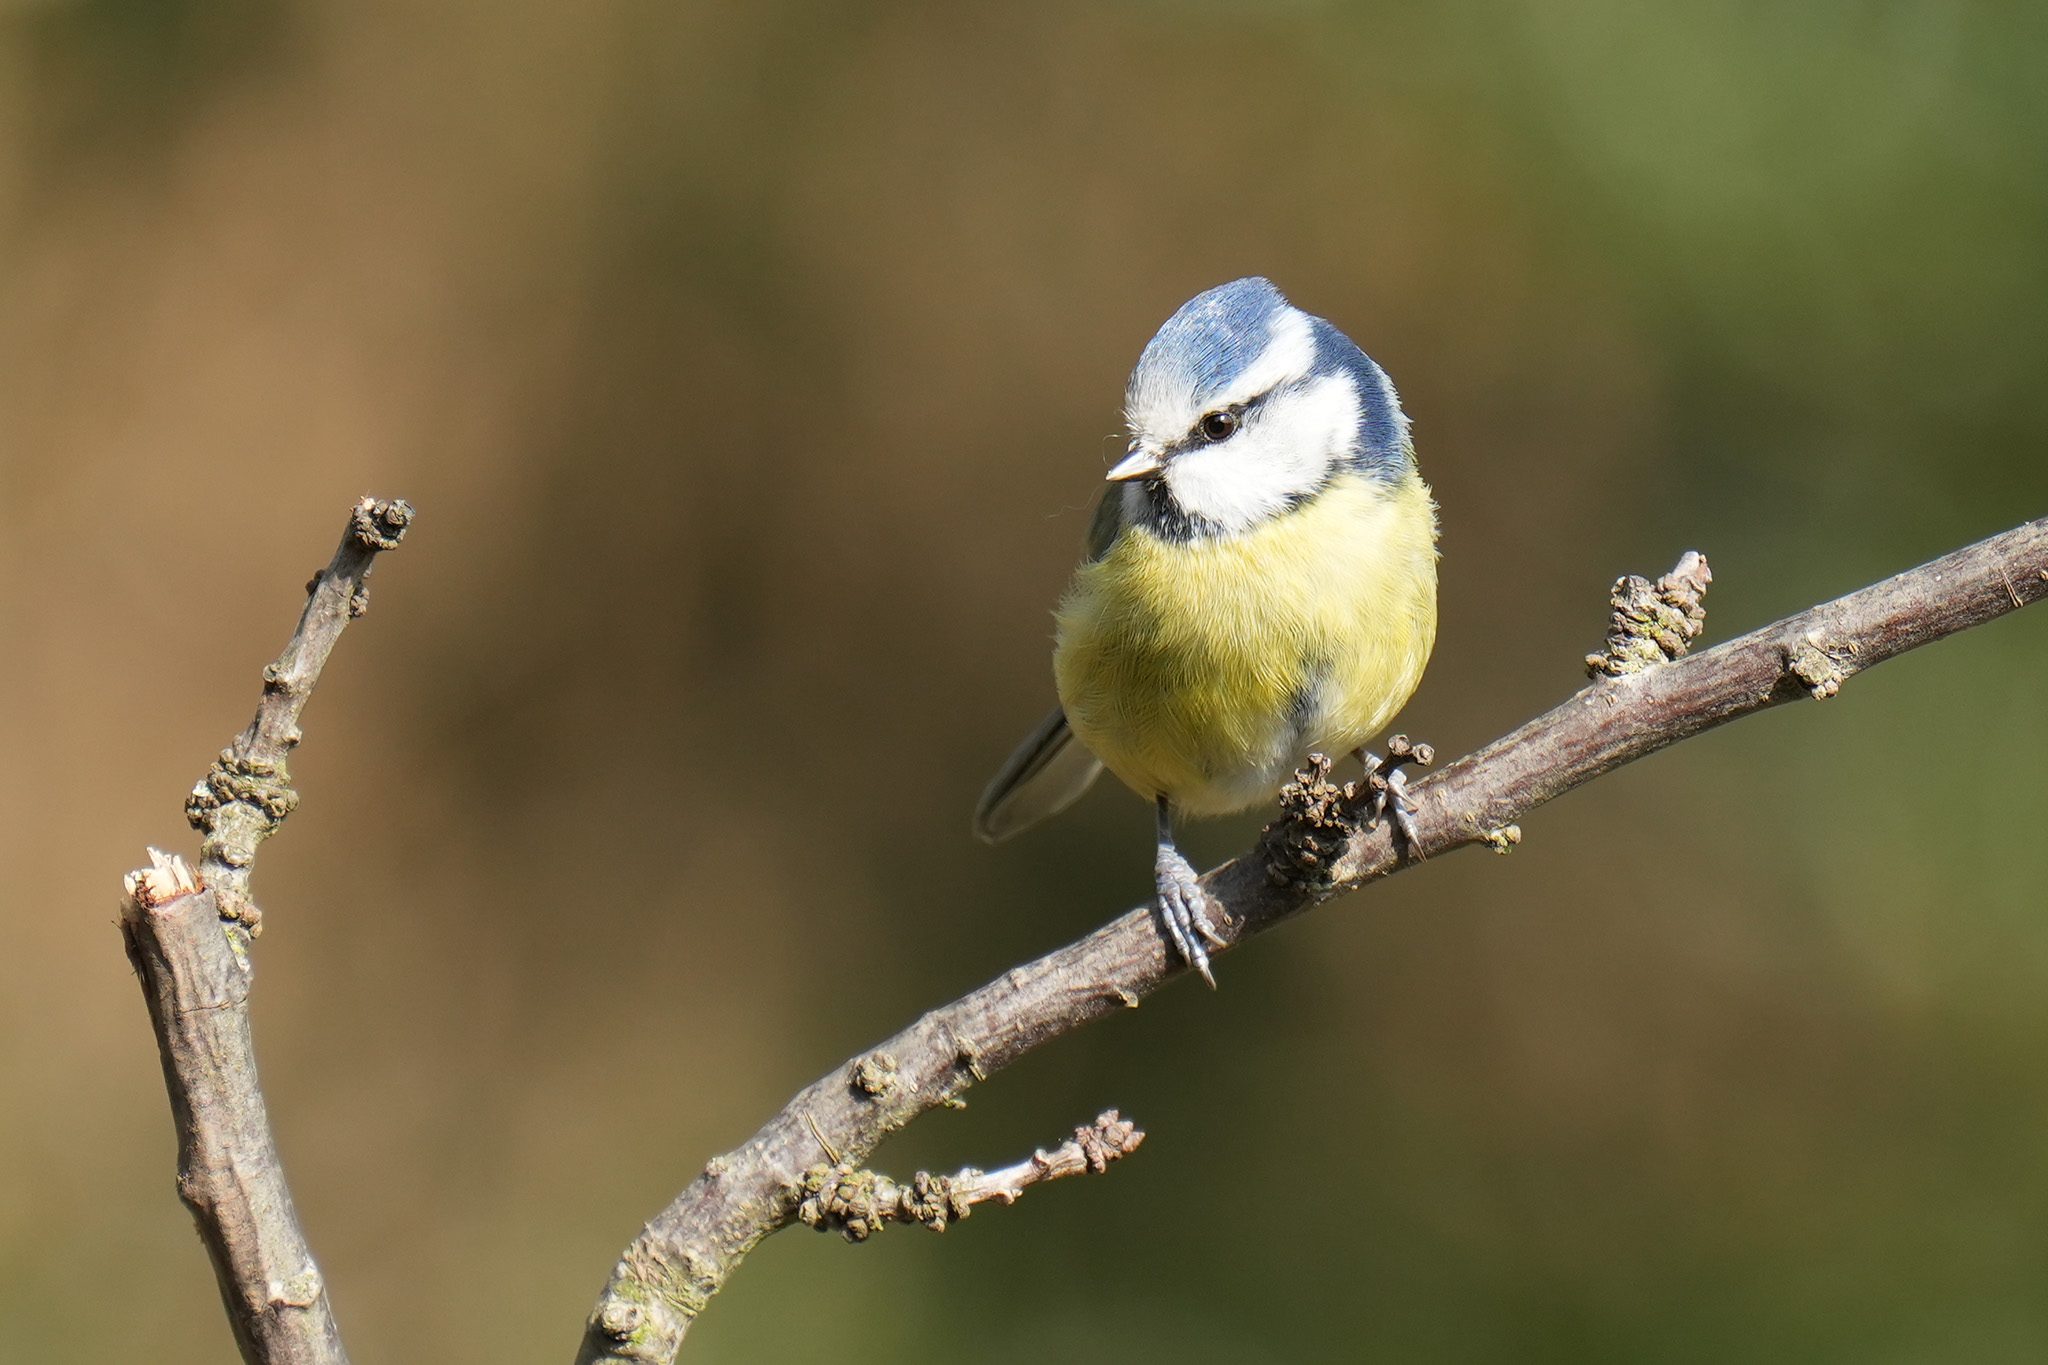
[[1182, 905], [1386, 787]]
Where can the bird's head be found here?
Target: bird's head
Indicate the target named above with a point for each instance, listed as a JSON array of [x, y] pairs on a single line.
[[1244, 407]]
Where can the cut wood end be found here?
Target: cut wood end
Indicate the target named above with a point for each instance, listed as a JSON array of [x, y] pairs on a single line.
[[167, 877]]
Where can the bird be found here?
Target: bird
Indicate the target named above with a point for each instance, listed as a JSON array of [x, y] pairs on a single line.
[[1259, 583]]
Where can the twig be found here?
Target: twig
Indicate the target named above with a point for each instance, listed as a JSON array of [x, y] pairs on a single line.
[[1316, 852], [247, 792], [858, 1203], [189, 937]]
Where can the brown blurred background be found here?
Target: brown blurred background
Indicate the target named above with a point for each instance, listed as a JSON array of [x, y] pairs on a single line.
[[752, 369]]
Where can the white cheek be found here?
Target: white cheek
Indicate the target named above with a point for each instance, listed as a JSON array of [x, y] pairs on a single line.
[[1284, 452], [1236, 485]]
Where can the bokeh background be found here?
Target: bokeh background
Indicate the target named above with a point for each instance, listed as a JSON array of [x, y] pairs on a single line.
[[752, 368]]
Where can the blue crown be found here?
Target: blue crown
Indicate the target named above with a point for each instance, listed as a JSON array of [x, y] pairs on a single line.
[[1217, 334]]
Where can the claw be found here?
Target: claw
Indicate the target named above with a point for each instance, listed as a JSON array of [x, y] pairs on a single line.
[[1387, 788], [1182, 905], [1397, 803], [1185, 911]]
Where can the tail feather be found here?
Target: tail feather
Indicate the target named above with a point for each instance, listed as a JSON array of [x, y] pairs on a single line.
[[1048, 773]]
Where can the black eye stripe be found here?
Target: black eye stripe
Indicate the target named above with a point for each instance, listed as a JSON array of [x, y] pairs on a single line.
[[1235, 414]]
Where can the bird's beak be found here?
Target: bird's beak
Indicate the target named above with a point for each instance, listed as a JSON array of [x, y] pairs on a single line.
[[1139, 464]]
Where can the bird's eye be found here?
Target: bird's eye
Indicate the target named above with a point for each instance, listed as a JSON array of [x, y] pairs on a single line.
[[1218, 426]]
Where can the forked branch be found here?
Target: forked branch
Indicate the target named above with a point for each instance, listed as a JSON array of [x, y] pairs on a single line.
[[188, 937]]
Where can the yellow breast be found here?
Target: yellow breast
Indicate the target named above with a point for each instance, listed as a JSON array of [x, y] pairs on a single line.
[[1204, 670]]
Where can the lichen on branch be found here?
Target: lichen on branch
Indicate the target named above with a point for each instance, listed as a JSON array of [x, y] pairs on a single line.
[[1653, 622]]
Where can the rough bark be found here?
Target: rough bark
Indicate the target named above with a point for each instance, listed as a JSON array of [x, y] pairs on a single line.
[[189, 936]]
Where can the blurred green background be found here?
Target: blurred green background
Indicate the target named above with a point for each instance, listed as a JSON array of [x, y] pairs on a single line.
[[752, 369]]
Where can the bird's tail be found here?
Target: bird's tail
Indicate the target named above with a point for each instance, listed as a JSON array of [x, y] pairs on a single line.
[[1048, 773]]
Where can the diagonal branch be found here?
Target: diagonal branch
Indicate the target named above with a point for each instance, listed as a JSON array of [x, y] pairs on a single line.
[[1316, 852], [189, 937]]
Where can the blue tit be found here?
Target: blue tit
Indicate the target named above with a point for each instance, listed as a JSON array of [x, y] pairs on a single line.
[[1259, 583]]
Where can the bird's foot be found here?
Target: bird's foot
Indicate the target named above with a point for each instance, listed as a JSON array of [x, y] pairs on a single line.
[[1386, 788], [1184, 908]]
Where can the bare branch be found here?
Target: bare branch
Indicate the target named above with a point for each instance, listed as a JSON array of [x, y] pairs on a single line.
[[189, 937], [1317, 851]]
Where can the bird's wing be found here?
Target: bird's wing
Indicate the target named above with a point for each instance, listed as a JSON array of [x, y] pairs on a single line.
[[1107, 524], [1047, 774]]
